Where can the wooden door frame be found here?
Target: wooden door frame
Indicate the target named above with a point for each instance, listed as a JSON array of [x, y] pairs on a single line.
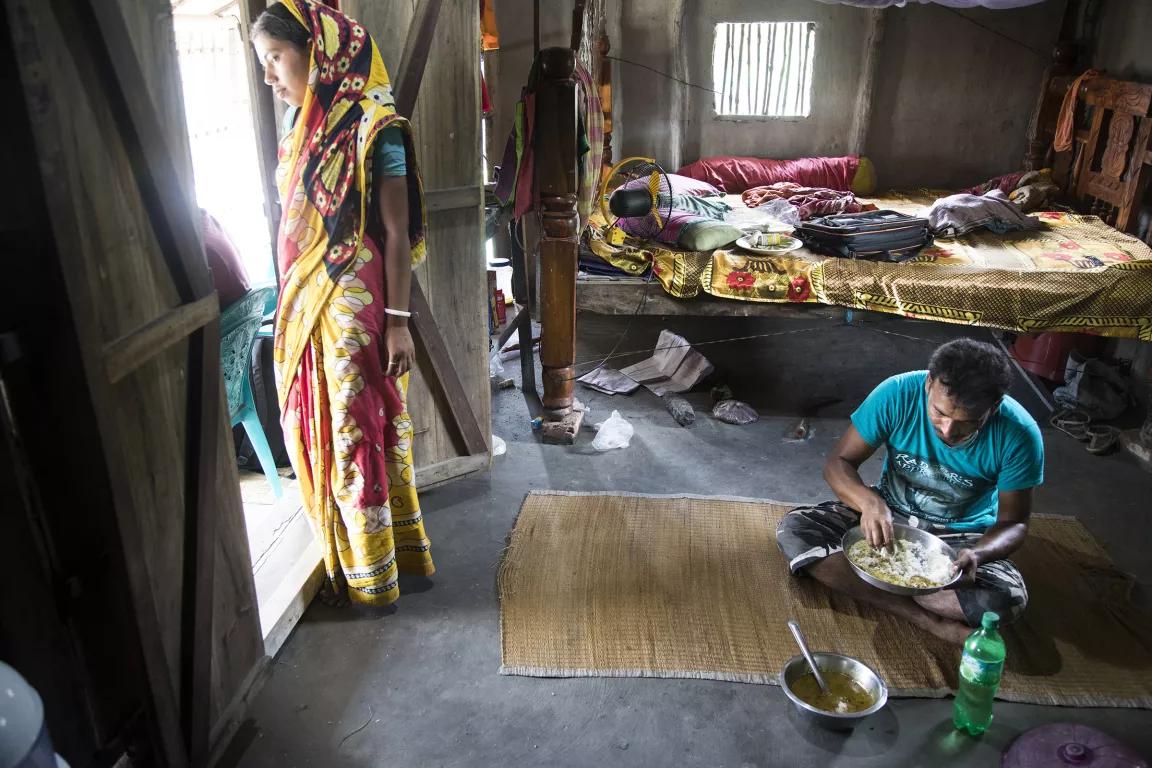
[[96, 37]]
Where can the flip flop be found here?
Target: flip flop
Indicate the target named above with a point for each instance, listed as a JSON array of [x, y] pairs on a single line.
[[1102, 439], [1072, 422]]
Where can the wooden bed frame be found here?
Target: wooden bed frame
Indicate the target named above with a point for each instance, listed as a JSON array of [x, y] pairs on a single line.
[[1106, 173]]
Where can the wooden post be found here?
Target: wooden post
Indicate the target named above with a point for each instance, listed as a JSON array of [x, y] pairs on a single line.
[[264, 123], [862, 117], [556, 118], [603, 48]]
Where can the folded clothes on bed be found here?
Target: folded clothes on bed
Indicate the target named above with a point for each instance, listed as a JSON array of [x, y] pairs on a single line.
[[811, 201], [591, 264], [960, 214]]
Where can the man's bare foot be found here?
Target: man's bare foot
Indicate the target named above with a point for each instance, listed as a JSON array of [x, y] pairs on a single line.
[[332, 597], [835, 573]]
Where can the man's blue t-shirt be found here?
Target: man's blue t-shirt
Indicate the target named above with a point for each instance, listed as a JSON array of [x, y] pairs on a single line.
[[938, 484]]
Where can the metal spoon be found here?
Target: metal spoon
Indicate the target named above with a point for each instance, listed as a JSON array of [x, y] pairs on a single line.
[[796, 633]]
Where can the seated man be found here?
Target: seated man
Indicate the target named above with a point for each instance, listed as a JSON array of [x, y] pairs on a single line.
[[962, 461]]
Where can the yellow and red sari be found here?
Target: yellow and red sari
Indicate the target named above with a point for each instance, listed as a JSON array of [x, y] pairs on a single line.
[[345, 422]]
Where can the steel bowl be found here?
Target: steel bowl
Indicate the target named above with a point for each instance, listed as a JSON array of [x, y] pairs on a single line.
[[796, 667], [908, 533]]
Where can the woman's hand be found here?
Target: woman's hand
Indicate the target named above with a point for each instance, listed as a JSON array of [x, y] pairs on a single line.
[[401, 350], [876, 523]]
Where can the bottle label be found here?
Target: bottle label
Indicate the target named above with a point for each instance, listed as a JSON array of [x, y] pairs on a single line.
[[980, 672]]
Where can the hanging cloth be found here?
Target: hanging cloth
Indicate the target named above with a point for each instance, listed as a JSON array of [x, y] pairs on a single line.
[[1066, 122], [489, 35]]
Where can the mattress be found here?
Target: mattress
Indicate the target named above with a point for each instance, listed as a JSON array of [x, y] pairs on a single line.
[[1074, 274]]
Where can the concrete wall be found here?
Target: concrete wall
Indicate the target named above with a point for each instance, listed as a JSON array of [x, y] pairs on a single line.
[[953, 99], [1124, 47], [951, 105], [840, 38]]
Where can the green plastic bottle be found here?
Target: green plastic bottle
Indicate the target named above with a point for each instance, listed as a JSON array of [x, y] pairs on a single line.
[[980, 669]]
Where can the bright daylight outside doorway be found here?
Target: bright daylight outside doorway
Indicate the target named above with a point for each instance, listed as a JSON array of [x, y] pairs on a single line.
[[214, 70]]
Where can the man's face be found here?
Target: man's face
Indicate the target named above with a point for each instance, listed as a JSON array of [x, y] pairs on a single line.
[[952, 423]]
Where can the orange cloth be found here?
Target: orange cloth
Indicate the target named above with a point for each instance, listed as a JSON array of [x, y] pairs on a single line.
[[1066, 122], [489, 35]]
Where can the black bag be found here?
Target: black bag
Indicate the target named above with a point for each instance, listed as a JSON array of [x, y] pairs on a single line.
[[873, 235], [263, 378]]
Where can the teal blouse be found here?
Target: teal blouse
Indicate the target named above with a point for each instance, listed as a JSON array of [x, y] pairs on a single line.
[[389, 158]]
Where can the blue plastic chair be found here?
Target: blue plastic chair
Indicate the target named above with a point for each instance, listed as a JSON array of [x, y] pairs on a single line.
[[239, 324]]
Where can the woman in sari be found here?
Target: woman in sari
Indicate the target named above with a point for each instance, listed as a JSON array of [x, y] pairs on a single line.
[[351, 229]]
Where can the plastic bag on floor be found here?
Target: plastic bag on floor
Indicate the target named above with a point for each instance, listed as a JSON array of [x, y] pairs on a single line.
[[495, 364], [735, 412], [680, 409], [499, 447], [616, 432]]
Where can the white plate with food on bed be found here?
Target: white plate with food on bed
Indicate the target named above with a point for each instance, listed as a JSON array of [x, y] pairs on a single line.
[[917, 563], [769, 243]]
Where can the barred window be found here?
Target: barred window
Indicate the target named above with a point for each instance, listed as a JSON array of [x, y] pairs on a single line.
[[764, 69]]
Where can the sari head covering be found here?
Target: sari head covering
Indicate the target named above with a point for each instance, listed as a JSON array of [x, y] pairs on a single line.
[[323, 173], [346, 423]]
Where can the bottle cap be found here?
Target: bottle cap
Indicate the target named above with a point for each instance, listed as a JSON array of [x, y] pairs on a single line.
[[990, 620]]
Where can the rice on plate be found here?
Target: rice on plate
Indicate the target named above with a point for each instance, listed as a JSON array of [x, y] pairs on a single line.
[[904, 563]]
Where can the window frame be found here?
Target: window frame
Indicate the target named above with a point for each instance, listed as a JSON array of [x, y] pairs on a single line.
[[812, 28]]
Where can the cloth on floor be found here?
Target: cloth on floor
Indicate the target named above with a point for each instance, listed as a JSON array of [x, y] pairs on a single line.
[[626, 585], [1066, 122], [960, 214], [609, 381], [810, 201]]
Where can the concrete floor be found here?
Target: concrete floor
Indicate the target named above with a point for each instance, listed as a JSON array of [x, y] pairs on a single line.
[[417, 685]]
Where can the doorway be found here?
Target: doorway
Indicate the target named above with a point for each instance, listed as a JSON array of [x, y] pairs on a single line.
[[213, 52]]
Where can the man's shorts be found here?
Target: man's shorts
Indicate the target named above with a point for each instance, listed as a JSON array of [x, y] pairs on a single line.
[[809, 534]]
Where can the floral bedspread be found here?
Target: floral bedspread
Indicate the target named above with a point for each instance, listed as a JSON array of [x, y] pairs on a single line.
[[1075, 274]]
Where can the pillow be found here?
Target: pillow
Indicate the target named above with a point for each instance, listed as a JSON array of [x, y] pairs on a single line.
[[686, 185], [228, 275], [707, 235], [681, 185], [864, 182], [737, 174], [687, 213]]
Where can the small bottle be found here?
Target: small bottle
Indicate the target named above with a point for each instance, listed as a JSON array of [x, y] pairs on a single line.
[[980, 668], [501, 309]]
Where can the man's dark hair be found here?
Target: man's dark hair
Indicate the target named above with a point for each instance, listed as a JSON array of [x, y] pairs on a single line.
[[976, 375], [278, 23]]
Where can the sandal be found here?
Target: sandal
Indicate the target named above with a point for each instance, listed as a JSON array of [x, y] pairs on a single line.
[[1072, 422], [1102, 439]]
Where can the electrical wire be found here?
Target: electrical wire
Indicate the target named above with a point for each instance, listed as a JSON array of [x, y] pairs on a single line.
[[662, 74], [1045, 55]]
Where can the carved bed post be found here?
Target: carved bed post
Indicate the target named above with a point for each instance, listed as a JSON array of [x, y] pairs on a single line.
[[556, 181], [1054, 83]]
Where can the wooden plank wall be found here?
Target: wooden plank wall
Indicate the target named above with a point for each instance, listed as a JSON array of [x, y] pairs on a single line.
[[119, 279], [447, 126]]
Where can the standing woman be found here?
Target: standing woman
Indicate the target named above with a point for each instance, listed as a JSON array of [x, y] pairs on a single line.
[[351, 230]]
